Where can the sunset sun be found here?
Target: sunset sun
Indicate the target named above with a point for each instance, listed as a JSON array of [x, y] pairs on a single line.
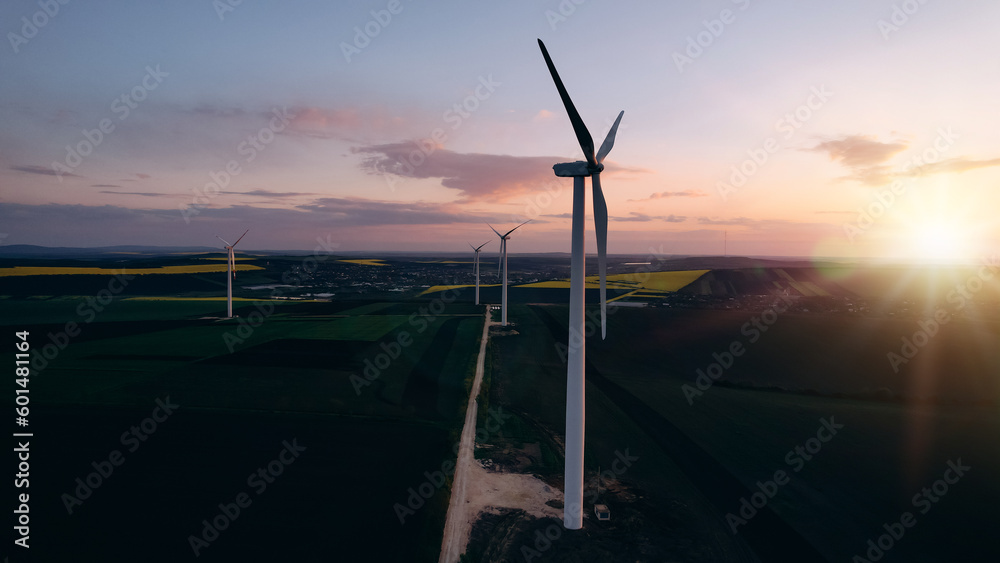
[[940, 241]]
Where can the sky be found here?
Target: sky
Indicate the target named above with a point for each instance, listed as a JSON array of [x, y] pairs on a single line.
[[860, 128]]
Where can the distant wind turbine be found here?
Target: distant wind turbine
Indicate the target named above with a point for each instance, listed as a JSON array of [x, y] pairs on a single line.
[[231, 259], [503, 267], [476, 249], [575, 401]]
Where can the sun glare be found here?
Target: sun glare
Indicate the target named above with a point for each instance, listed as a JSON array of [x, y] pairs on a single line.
[[940, 241]]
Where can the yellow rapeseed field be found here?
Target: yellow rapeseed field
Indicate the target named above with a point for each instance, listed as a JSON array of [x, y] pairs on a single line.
[[366, 262], [650, 281], [437, 288]]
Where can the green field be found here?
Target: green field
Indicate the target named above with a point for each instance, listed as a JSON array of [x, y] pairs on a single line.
[[708, 453], [376, 390], [244, 385]]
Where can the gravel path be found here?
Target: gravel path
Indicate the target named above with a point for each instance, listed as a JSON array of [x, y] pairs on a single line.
[[476, 489]]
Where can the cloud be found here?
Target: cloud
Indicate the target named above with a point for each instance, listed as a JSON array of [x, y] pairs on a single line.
[[543, 114], [217, 111], [735, 221], [367, 212], [354, 123], [865, 158], [683, 193], [872, 175], [43, 170], [774, 226], [105, 186], [476, 176], [361, 219], [632, 217], [858, 151], [144, 194], [143, 176], [268, 193], [635, 216], [952, 165], [324, 123]]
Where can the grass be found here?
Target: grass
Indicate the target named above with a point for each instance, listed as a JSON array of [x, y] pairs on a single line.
[[888, 450], [527, 378], [355, 328], [864, 477], [291, 373], [59, 310], [339, 487], [219, 298]]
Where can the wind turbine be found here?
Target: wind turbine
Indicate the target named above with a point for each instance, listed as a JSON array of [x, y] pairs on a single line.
[[575, 402], [503, 267], [232, 272], [476, 250]]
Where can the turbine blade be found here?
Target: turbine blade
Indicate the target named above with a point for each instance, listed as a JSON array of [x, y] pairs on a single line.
[[601, 227], [232, 261], [241, 237], [609, 141], [223, 240], [582, 134], [472, 247], [517, 227], [494, 230], [482, 245]]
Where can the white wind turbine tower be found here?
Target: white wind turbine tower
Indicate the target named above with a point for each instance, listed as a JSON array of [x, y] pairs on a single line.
[[575, 402], [503, 267], [476, 249], [231, 259]]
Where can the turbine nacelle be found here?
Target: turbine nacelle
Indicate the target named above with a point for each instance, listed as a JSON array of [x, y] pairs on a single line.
[[574, 169]]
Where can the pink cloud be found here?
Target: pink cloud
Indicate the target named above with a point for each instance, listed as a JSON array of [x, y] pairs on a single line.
[[487, 177], [664, 195], [859, 150]]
